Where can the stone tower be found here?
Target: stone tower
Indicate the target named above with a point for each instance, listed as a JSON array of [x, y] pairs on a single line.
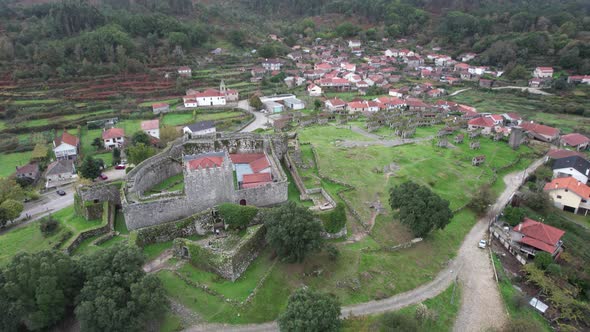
[[516, 137], [222, 88]]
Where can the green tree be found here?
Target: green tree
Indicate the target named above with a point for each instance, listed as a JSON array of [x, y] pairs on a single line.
[[537, 200], [308, 310], [518, 72], [39, 287], [255, 102], [482, 199], [514, 215], [395, 321], [118, 295], [140, 137], [10, 209], [543, 260], [347, 30], [419, 208], [237, 216], [97, 143], [140, 152], [267, 51], [116, 156], [179, 39], [168, 134], [317, 104], [90, 168], [237, 38], [10, 189], [292, 231]]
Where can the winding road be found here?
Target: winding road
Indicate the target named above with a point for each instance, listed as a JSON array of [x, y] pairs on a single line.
[[481, 306]]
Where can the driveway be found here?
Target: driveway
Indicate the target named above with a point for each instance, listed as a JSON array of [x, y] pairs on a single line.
[[260, 121]]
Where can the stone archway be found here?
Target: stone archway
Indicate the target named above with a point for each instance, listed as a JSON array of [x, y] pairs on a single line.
[[242, 202]]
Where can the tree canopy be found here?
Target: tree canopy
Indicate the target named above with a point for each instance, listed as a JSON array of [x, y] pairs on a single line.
[[308, 310], [292, 231], [90, 168], [420, 209]]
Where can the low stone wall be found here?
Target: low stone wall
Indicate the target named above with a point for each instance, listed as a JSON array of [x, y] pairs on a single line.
[[109, 221], [228, 264], [200, 223], [329, 236]]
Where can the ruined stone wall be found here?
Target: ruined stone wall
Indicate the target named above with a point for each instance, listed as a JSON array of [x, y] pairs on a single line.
[[150, 213], [109, 191], [245, 254], [198, 224]]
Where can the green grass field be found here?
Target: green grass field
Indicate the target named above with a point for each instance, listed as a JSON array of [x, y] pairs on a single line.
[[30, 239], [9, 161], [178, 119], [170, 184], [36, 102]]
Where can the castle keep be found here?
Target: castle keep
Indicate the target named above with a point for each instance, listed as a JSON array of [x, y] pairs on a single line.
[[236, 168]]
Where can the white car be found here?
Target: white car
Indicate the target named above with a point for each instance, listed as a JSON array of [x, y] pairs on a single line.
[[482, 244]]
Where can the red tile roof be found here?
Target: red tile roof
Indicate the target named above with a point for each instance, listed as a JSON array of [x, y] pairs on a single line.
[[205, 162], [540, 129], [574, 139], [539, 235], [259, 164], [481, 122], [245, 158], [559, 153], [336, 102], [159, 105], [150, 124], [208, 93], [570, 183], [67, 138], [113, 133], [255, 180]]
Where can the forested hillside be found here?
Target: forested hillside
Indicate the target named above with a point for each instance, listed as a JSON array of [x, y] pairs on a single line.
[[74, 38]]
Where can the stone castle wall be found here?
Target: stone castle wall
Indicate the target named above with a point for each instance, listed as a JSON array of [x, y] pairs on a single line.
[[198, 224]]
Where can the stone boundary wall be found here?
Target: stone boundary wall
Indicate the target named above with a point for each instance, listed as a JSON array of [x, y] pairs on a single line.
[[200, 223], [341, 234], [106, 191], [109, 220]]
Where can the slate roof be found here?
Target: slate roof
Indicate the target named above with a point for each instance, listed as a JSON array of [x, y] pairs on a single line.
[[576, 162], [203, 125], [60, 167]]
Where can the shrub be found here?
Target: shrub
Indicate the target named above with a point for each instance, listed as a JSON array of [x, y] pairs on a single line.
[[514, 215], [333, 252], [554, 269], [543, 260], [394, 321], [522, 325], [48, 226], [334, 220], [520, 301], [237, 216]]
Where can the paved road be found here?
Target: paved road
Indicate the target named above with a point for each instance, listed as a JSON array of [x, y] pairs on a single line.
[[259, 122], [523, 88], [458, 92], [51, 202], [481, 305]]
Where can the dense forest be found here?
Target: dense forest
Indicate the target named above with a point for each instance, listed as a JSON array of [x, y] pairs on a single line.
[[78, 37]]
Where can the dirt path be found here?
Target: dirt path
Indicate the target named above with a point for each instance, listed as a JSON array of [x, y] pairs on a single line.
[[159, 263], [524, 88], [481, 306], [458, 92]]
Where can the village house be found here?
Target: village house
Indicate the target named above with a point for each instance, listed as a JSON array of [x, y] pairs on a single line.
[[484, 123], [273, 107], [158, 108], [60, 172], [362, 106], [335, 105], [541, 132], [151, 127], [535, 82], [395, 93], [209, 97], [185, 71], [579, 79], [543, 72], [231, 95], [467, 57], [461, 67], [576, 141], [113, 138], [29, 171], [314, 90], [354, 43], [272, 64], [569, 194], [512, 118], [392, 53], [199, 129], [66, 146], [496, 118], [532, 237], [416, 105], [561, 153], [574, 166]]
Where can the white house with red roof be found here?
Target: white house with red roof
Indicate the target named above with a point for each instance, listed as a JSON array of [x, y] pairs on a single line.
[[314, 90], [335, 104], [512, 118], [362, 106], [497, 118], [533, 237], [158, 108], [484, 123], [543, 72], [576, 141], [272, 64], [113, 138], [151, 127], [569, 194], [184, 71], [395, 93], [66, 146]]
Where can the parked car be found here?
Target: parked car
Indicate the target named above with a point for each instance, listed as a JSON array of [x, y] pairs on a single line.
[[61, 192], [482, 244], [103, 177], [120, 166]]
